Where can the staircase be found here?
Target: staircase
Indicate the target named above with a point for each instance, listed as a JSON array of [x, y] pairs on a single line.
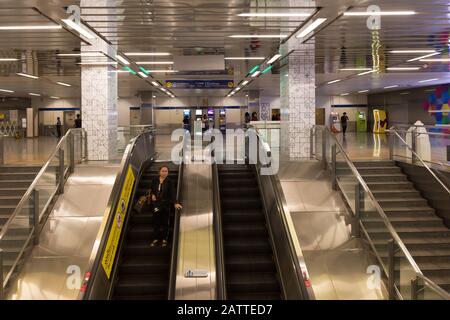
[[422, 231], [144, 270], [14, 182], [250, 266]]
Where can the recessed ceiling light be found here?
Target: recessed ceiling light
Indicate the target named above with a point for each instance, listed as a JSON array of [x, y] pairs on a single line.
[[244, 58], [274, 58], [122, 59], [412, 51], [403, 68], [428, 80], [313, 26], [390, 87], [52, 27], [144, 54], [154, 96], [379, 13], [162, 71], [79, 28], [363, 91], [355, 69], [8, 59], [154, 62], [8, 91], [142, 74], [334, 81], [156, 84], [81, 54], [27, 75], [99, 63], [345, 94], [435, 60], [245, 82], [259, 36], [35, 94], [256, 73], [423, 57], [367, 72], [404, 93], [248, 14], [63, 84], [53, 97]]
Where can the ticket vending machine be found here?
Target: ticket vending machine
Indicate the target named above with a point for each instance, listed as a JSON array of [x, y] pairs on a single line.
[[198, 114], [211, 118], [335, 122], [361, 121], [222, 120]]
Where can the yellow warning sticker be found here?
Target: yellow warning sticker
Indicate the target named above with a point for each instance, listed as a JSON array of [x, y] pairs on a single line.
[[119, 218]]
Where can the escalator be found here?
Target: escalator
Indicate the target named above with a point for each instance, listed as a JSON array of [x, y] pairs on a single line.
[[143, 271], [250, 263]]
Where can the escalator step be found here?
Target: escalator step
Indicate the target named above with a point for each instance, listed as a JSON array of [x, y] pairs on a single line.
[[143, 248], [243, 246], [245, 203], [252, 282], [256, 229], [144, 264], [250, 263], [254, 296], [231, 216], [141, 284]]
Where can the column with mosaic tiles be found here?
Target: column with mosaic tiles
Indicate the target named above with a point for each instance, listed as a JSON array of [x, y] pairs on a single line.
[[99, 95], [298, 94]]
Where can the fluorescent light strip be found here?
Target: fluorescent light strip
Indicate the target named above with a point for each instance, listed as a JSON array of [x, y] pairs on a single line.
[[147, 54], [363, 91], [162, 71], [345, 94], [335, 81], [245, 82], [313, 26], [27, 75], [355, 69], [79, 28], [274, 14], [403, 68], [122, 59], [63, 84], [274, 58], [142, 74], [258, 36], [81, 54], [8, 91], [412, 51], [428, 80], [244, 58], [423, 57], [8, 59], [154, 62], [156, 84], [436, 60], [380, 13], [34, 94], [100, 63], [53, 97], [390, 87], [52, 27], [367, 72], [254, 75]]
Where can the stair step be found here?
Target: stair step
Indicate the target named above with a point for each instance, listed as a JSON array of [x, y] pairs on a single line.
[[17, 176], [388, 186], [398, 202], [14, 169], [384, 178], [15, 183], [369, 170], [12, 191]]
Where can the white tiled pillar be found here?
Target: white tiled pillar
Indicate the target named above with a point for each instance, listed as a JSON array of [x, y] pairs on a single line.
[[99, 96], [298, 94]]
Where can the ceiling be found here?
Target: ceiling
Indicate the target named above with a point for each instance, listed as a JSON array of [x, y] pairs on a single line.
[[200, 27]]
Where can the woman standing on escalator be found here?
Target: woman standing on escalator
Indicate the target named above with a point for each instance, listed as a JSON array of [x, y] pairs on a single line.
[[163, 196]]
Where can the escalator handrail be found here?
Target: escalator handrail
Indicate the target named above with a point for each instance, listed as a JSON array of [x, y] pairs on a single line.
[[443, 185], [295, 254], [102, 235], [176, 237], [218, 238]]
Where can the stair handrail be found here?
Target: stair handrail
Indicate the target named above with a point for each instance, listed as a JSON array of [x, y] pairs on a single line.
[[441, 292], [28, 195], [421, 161]]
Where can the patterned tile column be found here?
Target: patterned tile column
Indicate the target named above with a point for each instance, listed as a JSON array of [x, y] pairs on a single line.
[[99, 95], [298, 94]]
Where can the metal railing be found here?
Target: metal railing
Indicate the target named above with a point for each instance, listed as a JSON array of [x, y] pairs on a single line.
[[25, 223], [403, 275], [126, 133]]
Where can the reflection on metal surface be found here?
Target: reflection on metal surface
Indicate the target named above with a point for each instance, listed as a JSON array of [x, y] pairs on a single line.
[[196, 248]]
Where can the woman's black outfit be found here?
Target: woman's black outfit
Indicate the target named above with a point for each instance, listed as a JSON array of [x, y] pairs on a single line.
[[165, 200]]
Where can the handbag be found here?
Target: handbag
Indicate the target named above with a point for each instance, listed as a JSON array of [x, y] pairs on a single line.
[[141, 203]]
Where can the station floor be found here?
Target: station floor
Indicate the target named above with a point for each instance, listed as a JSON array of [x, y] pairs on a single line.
[[337, 264], [28, 151], [68, 236]]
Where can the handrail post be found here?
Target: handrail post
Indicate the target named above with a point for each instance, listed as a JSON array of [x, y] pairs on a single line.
[[2, 292], [333, 167], [391, 138], [413, 144], [311, 143], [415, 288], [2, 152], [72, 152], [85, 142], [61, 172], [324, 149], [356, 230], [36, 214], [391, 269]]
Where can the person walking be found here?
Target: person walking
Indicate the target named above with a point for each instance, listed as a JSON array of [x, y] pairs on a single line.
[[344, 122], [163, 196], [78, 122], [58, 127]]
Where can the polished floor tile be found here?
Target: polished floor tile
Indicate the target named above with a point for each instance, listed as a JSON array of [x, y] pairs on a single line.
[[28, 150]]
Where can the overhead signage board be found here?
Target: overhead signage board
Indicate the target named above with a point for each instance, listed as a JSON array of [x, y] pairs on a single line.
[[200, 84]]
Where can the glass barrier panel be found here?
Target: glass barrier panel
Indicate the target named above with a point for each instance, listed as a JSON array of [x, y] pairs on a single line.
[[318, 143], [426, 292], [404, 274], [17, 234], [47, 184], [347, 182]]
